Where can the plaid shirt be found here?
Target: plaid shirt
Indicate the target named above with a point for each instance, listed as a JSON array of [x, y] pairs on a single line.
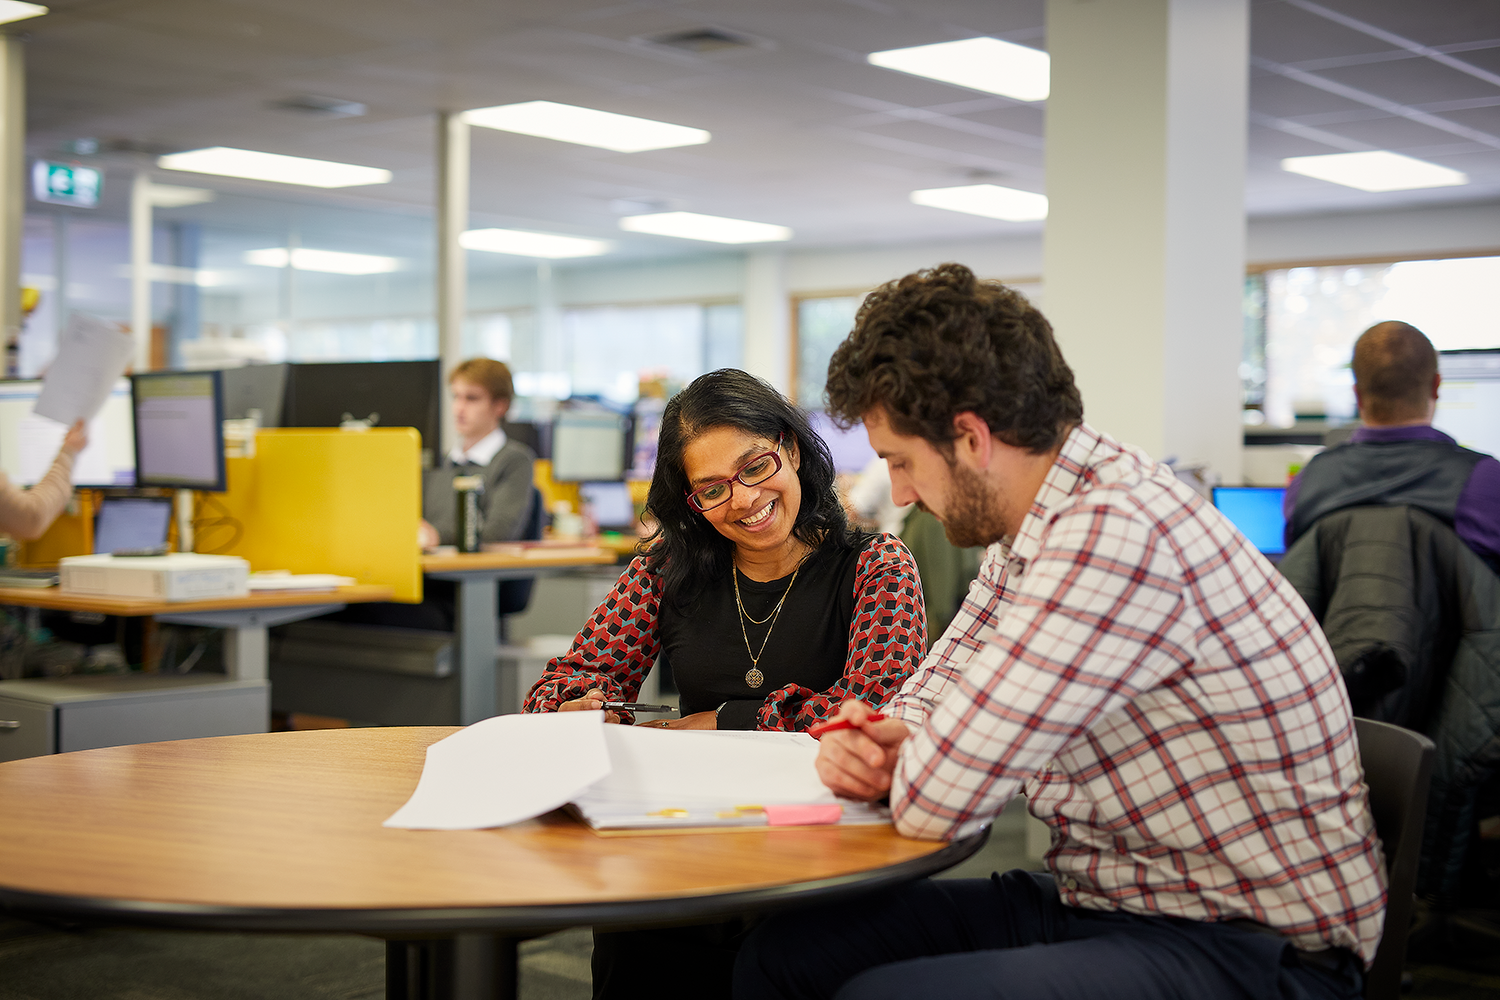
[[1166, 702]]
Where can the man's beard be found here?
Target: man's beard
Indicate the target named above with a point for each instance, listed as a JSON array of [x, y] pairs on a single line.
[[975, 514]]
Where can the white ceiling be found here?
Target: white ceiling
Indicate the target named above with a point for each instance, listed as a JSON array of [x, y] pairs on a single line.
[[805, 133]]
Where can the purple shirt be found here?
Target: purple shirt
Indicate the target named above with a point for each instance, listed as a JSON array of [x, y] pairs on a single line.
[[1477, 515]]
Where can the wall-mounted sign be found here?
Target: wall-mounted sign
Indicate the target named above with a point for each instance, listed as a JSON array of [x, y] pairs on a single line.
[[66, 183]]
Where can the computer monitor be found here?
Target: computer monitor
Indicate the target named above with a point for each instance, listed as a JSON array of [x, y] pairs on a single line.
[[179, 433], [610, 505], [589, 446], [29, 443], [1256, 511], [403, 393], [1468, 407], [132, 523], [261, 388]]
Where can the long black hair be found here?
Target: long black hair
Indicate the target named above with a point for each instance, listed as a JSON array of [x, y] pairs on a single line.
[[686, 551]]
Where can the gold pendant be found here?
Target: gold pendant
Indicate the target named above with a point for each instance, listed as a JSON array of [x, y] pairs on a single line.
[[754, 677]]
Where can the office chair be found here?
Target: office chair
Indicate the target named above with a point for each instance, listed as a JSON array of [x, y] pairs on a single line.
[[514, 595], [1398, 767]]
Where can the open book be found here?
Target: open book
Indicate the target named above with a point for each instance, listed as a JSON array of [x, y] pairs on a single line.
[[514, 767]]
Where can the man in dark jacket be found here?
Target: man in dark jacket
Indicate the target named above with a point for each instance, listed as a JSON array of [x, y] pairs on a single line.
[[1397, 457]]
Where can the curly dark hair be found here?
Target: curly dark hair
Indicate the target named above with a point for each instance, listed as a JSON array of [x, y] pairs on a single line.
[[937, 343], [686, 550]]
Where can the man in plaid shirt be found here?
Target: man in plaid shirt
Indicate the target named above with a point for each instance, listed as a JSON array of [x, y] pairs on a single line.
[[1129, 662]]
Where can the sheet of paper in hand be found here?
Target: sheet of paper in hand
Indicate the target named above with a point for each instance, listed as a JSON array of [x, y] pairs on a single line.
[[91, 355]]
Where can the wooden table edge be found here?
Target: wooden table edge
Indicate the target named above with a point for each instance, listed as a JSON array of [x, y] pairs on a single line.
[[524, 920]]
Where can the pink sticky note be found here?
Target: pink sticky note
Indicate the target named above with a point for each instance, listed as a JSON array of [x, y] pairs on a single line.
[[803, 815]]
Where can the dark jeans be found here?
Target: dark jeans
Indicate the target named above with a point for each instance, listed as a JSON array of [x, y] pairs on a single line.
[[669, 963], [1011, 936]]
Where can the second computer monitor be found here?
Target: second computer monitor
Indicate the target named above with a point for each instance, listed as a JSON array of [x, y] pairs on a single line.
[[179, 437], [589, 446]]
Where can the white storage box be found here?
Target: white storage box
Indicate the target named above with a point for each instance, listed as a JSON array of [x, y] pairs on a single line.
[[177, 576]]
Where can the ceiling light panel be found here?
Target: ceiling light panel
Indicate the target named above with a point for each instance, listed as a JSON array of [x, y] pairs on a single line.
[[14, 10], [989, 200], [586, 127], [1376, 170], [712, 228], [251, 165], [986, 64], [522, 243], [327, 261]]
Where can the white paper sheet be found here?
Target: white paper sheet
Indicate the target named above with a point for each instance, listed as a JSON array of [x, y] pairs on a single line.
[[91, 354], [504, 770]]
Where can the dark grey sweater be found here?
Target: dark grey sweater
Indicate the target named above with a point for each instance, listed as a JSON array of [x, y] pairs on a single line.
[[503, 505]]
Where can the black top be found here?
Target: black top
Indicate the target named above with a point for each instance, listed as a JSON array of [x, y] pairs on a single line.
[[808, 643]]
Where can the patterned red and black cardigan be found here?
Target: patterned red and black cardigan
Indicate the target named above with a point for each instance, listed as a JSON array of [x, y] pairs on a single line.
[[886, 640]]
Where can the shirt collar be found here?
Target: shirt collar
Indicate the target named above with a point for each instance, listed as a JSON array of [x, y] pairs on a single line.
[[483, 451], [1064, 479], [1390, 435]]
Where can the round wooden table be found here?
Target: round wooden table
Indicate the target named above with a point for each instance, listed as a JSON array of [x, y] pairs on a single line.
[[281, 831]]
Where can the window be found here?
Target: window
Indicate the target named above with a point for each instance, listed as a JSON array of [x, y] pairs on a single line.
[[1313, 315]]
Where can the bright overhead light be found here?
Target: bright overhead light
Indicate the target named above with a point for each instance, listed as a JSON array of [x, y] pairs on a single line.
[[525, 244], [713, 228], [176, 196], [585, 126], [986, 64], [248, 163], [14, 10], [989, 200], [1377, 170], [329, 261]]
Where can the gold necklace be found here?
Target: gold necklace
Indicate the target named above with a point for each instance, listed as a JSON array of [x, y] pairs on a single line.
[[753, 677]]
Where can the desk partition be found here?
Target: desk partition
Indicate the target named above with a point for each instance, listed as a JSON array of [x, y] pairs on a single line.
[[316, 500]]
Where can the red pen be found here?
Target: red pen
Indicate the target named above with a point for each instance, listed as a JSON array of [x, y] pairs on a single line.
[[816, 732]]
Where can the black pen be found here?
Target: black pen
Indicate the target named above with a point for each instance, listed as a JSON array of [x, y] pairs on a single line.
[[635, 706]]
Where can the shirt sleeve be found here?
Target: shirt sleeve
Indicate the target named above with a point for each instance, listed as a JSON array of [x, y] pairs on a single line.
[[965, 636], [887, 638], [1477, 516], [28, 514], [614, 652], [1087, 630]]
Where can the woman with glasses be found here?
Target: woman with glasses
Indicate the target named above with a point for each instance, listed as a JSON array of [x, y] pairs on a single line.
[[769, 607]]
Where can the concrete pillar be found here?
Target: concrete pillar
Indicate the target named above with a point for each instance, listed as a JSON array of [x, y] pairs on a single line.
[[12, 181], [452, 266], [1143, 258], [140, 269], [768, 332]]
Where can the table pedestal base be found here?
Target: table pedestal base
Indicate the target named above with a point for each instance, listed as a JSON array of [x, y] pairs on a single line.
[[461, 967]]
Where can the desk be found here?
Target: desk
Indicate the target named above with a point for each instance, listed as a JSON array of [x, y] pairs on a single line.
[[245, 618], [475, 643], [281, 832]]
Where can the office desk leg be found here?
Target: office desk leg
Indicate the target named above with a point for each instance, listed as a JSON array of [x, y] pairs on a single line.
[[245, 656], [477, 648], [463, 967]]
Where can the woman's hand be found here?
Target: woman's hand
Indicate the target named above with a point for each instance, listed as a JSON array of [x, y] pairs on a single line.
[[698, 720], [76, 439], [591, 702], [427, 536]]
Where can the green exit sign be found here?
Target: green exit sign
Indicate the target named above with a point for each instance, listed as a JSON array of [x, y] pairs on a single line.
[[66, 183]]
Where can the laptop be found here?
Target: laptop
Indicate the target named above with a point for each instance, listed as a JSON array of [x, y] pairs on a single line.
[[1256, 511], [132, 524], [611, 505]]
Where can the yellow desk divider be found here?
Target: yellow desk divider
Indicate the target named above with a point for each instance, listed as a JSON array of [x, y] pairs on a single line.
[[317, 500], [72, 534]]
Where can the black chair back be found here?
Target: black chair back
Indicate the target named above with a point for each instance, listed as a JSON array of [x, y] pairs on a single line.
[[514, 595], [1398, 768]]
